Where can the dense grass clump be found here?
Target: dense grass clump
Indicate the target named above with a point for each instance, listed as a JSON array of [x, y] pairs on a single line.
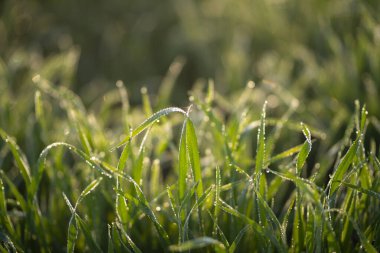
[[242, 174]]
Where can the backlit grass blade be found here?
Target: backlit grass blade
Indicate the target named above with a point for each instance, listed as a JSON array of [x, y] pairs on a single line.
[[216, 198], [19, 157], [193, 154], [152, 119], [305, 150], [182, 163], [124, 157], [169, 80], [138, 163], [343, 166], [72, 231], [91, 161], [196, 243], [260, 153], [285, 154], [90, 188]]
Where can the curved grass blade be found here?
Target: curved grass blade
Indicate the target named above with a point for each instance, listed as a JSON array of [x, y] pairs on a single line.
[[196, 243], [149, 122], [103, 168]]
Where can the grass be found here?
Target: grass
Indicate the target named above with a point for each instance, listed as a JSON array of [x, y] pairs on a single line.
[[277, 152], [219, 176]]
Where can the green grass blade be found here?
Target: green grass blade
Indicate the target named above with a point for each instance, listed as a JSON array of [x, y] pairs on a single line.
[[93, 245], [193, 154], [110, 247], [5, 220], [152, 119], [238, 238], [129, 240], [91, 161], [90, 188], [285, 154], [168, 82], [21, 161], [124, 157], [182, 163], [218, 182], [72, 231], [13, 189], [260, 153], [146, 102], [305, 150], [343, 166], [361, 189]]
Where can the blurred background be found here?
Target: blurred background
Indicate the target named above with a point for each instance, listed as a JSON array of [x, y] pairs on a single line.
[[323, 54], [316, 47]]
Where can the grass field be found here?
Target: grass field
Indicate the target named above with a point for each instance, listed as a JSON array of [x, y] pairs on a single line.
[[258, 129]]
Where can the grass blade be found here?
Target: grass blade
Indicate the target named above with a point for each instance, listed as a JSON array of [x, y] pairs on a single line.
[[260, 153], [193, 154], [149, 121], [182, 163], [19, 157], [305, 150], [343, 166]]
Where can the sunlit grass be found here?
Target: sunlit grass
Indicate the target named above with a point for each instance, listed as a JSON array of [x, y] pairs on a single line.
[[222, 175]]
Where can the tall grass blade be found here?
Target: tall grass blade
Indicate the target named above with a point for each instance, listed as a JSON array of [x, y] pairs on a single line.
[[260, 153], [193, 154], [343, 166], [182, 163]]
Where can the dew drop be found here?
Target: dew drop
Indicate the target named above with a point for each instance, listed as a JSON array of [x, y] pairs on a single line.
[[251, 84], [144, 90]]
